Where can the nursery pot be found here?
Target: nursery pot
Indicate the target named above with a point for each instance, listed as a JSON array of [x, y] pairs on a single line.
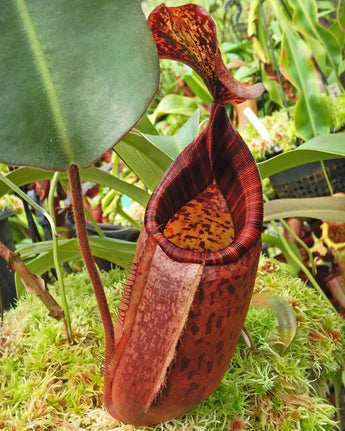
[[111, 231], [7, 285], [308, 180]]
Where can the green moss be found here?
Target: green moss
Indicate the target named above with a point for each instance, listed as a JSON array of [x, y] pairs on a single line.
[[47, 384]]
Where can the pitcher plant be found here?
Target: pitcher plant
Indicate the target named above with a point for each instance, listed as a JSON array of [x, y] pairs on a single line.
[[193, 273]]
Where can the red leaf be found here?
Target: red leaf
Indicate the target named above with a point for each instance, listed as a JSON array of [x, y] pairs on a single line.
[[188, 34]]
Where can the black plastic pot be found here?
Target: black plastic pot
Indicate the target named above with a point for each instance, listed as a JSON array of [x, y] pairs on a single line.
[[8, 293], [111, 231], [308, 180]]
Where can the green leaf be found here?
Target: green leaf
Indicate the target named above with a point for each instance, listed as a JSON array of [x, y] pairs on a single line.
[[338, 27], [173, 145], [117, 251], [22, 176], [246, 73], [319, 148], [144, 125], [273, 89], [260, 45], [149, 156], [75, 77], [325, 47], [174, 104], [331, 208], [114, 250], [277, 242], [98, 176], [144, 158], [197, 85], [312, 117], [27, 175]]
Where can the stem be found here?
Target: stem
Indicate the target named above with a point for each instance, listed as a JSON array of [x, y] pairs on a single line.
[[80, 224], [32, 282], [301, 243], [324, 171], [53, 185]]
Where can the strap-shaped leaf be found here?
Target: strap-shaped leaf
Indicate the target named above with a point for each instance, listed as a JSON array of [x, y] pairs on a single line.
[[311, 116], [330, 208], [26, 175], [324, 45], [117, 251], [75, 77], [324, 147]]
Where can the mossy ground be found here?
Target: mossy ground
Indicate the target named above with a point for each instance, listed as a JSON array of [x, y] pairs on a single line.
[[47, 384]]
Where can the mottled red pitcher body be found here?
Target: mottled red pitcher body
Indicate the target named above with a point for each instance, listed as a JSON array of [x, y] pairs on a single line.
[[186, 299]]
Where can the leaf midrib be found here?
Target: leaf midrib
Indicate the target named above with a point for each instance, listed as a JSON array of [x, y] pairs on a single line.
[[45, 75]]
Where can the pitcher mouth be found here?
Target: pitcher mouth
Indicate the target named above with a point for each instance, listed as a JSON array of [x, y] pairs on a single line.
[[217, 157], [244, 239]]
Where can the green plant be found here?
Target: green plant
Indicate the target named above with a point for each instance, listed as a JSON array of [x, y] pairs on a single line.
[[305, 49]]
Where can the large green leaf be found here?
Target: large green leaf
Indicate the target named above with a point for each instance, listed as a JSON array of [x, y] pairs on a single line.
[[75, 77], [319, 148], [331, 208]]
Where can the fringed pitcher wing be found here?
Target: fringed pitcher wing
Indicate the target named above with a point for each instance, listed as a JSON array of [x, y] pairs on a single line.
[[193, 274]]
